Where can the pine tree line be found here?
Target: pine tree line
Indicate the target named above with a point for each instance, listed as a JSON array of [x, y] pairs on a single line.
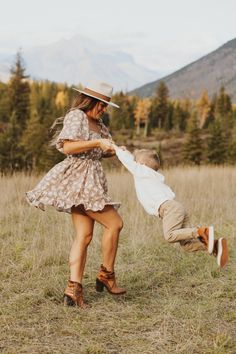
[[28, 109], [211, 132]]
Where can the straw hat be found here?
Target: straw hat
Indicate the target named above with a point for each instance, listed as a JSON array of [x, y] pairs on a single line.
[[101, 91]]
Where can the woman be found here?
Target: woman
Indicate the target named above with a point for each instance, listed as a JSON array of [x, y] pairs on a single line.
[[78, 185]]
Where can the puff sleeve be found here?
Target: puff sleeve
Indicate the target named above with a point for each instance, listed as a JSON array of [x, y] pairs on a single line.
[[75, 127]]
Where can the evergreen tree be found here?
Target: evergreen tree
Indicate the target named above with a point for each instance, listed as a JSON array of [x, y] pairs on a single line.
[[19, 107], [211, 116], [223, 103], [224, 112], [11, 154], [168, 125], [131, 107], [180, 117], [217, 144], [4, 103], [193, 145], [19, 93], [32, 141], [159, 106]]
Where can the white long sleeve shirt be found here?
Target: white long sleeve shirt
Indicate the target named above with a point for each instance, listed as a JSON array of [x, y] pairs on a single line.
[[149, 185]]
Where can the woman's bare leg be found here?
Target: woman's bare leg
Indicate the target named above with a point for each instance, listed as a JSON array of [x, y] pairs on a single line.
[[111, 220], [84, 232]]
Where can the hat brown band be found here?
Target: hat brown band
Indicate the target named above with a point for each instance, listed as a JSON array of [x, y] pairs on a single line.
[[96, 94]]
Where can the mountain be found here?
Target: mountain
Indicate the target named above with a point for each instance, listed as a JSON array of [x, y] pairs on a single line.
[[81, 60], [209, 72]]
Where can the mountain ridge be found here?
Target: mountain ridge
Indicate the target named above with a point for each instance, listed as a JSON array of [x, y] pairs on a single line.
[[217, 68]]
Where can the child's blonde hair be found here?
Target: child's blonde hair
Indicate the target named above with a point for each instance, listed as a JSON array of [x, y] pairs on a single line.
[[149, 158]]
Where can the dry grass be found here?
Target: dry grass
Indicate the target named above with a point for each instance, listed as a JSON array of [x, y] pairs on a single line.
[[176, 302]]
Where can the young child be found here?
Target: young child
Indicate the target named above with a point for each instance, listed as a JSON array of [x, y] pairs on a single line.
[[158, 199]]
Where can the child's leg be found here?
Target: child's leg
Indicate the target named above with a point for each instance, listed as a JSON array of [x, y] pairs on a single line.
[[176, 229], [220, 249], [193, 244], [176, 226]]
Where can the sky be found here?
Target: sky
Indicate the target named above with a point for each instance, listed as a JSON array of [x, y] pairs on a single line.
[[162, 35]]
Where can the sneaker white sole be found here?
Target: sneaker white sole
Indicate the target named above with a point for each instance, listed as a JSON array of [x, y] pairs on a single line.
[[211, 239], [222, 254], [220, 251]]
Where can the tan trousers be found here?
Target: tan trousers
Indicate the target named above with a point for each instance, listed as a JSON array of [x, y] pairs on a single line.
[[176, 227]]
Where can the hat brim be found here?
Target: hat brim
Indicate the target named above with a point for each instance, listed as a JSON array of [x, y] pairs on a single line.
[[99, 99]]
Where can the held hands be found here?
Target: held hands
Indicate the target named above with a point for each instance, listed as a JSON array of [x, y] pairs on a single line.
[[106, 145]]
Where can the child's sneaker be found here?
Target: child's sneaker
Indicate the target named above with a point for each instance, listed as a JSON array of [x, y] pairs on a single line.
[[206, 235], [220, 251]]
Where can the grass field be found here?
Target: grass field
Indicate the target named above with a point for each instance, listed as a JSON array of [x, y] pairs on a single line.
[[176, 302]]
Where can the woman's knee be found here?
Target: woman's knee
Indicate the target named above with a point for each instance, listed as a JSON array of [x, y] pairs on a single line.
[[84, 239], [117, 225], [120, 225]]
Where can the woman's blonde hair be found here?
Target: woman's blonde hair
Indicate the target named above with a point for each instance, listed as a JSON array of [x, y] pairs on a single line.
[[149, 158], [83, 102]]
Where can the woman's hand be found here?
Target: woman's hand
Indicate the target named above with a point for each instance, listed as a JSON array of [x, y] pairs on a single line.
[[106, 145]]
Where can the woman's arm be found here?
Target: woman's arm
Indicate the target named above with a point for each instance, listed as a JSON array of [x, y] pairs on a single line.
[[76, 147]]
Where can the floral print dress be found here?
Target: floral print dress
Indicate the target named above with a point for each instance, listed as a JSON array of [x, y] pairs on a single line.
[[79, 179]]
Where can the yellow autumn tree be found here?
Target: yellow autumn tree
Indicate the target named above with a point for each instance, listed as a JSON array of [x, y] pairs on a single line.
[[141, 115], [203, 107], [61, 99]]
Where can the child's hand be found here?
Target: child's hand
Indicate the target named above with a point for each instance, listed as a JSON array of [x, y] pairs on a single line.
[[124, 148], [120, 147]]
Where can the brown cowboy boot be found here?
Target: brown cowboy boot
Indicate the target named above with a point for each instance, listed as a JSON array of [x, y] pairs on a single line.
[[220, 251], [107, 278], [206, 236], [73, 295]]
